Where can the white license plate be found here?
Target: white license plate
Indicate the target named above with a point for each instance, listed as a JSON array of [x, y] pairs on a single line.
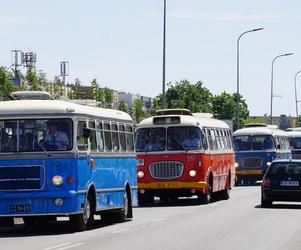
[[289, 183]]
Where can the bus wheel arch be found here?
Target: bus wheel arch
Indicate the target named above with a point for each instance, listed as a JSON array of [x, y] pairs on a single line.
[[92, 198], [129, 197]]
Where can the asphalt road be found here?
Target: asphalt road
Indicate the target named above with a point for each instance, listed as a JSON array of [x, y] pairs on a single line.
[[239, 223]]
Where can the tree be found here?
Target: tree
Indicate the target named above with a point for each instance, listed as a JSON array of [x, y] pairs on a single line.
[[32, 79], [138, 112], [123, 107], [76, 89], [184, 94], [6, 85], [243, 111], [96, 91], [224, 106], [108, 96]]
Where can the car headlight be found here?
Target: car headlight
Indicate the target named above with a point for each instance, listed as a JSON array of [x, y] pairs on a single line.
[[192, 173], [57, 180], [139, 162], [140, 174]]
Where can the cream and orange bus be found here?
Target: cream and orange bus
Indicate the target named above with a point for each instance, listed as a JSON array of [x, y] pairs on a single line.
[[182, 154]]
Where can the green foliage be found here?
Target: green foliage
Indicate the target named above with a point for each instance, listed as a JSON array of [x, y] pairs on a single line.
[[6, 85], [123, 107], [184, 94], [138, 112], [97, 92], [33, 80], [243, 111], [108, 96], [224, 106]]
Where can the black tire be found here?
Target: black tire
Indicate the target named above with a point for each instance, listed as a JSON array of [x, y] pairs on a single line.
[[123, 214], [107, 217], [204, 198], [80, 221], [265, 202]]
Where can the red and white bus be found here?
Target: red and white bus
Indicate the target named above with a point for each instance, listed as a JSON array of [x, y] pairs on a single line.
[[182, 154]]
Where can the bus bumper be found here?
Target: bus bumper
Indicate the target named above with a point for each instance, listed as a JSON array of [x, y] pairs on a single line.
[[41, 203], [173, 185]]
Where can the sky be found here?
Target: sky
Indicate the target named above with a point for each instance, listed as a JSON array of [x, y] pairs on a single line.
[[119, 43]]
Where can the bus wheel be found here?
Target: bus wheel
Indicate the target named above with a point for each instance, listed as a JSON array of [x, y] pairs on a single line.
[[126, 210], [79, 221]]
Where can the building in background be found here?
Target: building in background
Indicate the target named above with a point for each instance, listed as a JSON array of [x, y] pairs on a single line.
[[128, 98]]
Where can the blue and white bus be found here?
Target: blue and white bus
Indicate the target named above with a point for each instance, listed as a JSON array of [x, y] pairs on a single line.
[[88, 169], [295, 141], [255, 146]]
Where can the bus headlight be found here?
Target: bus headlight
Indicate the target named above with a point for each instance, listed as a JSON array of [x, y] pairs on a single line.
[[236, 164], [192, 173], [140, 174], [57, 180], [269, 163], [139, 162]]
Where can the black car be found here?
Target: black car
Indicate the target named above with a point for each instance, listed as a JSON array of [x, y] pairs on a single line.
[[281, 182]]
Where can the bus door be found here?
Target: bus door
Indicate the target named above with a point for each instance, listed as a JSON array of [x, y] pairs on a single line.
[[84, 160]]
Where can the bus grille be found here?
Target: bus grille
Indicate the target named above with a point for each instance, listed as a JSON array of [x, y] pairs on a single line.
[[166, 169], [252, 162], [21, 178]]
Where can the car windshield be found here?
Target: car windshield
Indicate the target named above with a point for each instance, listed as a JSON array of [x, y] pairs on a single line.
[[285, 169], [179, 138], [35, 135], [255, 142], [150, 139]]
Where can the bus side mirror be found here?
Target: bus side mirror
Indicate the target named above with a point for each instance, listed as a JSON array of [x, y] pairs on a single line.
[[86, 133], [278, 146]]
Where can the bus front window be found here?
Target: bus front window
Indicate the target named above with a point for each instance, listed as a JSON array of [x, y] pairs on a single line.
[[35, 135], [242, 142], [187, 138], [150, 139]]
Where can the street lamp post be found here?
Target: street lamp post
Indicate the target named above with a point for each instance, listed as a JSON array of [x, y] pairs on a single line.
[[272, 73], [296, 94], [163, 76], [237, 72]]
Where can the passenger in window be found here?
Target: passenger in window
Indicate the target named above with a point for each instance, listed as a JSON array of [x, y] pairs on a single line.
[[193, 142], [5, 145], [152, 144], [55, 139]]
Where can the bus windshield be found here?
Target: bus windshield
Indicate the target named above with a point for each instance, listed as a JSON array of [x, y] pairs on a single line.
[[35, 135], [296, 142], [179, 138], [150, 139], [255, 142]]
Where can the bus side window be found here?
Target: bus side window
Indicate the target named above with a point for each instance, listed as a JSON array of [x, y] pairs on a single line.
[[129, 138], [214, 142], [108, 138], [82, 142], [210, 139], [204, 139], [122, 137], [115, 139], [93, 140], [99, 135]]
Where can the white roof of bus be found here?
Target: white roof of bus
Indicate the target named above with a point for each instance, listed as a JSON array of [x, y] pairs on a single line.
[[51, 107], [186, 120], [294, 133], [260, 131]]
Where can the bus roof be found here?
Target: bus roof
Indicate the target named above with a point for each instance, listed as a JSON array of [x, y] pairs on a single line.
[[186, 120], [260, 131], [57, 107], [294, 133]]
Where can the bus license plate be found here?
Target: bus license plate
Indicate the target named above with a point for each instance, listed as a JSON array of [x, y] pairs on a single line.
[[19, 208], [289, 183]]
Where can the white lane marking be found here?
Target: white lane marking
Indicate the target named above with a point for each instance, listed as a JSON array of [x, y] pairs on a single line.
[[71, 246], [57, 246], [160, 220], [120, 231]]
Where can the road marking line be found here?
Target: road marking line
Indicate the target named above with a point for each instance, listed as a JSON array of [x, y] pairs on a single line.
[[57, 246], [159, 220], [71, 246], [120, 231]]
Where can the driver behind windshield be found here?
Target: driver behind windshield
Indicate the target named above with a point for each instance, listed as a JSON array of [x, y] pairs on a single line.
[[55, 139], [193, 141]]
